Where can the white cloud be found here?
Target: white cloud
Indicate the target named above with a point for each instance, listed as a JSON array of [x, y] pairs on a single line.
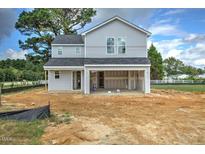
[[169, 48], [200, 62], [163, 21], [174, 53], [165, 30], [12, 54], [192, 38], [193, 54], [175, 11]]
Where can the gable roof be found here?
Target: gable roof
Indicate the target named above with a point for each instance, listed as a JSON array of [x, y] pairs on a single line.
[[68, 39], [120, 19]]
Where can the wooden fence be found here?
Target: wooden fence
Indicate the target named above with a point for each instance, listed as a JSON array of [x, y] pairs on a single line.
[[7, 87]]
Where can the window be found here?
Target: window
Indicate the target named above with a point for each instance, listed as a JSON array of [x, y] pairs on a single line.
[[121, 45], [110, 45], [60, 51], [78, 51], [57, 75]]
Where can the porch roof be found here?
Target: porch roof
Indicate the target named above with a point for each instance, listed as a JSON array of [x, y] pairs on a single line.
[[139, 60], [93, 61]]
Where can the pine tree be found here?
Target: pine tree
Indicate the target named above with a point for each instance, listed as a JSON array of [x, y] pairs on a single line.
[[156, 70]]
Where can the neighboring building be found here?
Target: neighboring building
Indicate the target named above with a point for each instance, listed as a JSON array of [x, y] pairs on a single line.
[[111, 55], [176, 77]]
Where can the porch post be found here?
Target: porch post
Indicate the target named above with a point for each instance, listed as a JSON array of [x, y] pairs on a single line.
[[45, 80], [82, 80], [147, 80], [129, 83], [86, 81]]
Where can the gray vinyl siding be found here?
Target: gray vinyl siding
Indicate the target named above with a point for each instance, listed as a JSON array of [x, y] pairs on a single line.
[[136, 41], [67, 52]]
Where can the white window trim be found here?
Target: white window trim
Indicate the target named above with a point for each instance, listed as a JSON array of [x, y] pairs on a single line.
[[79, 51], [125, 38], [61, 48], [114, 46]]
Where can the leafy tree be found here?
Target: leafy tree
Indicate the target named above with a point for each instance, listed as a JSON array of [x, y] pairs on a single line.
[[9, 75], [173, 66], [191, 71], [200, 71], [42, 25], [156, 63], [18, 70], [2, 75], [31, 76]]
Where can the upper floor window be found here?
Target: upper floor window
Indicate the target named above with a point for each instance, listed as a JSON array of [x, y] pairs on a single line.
[[110, 45], [57, 75], [121, 45], [60, 51], [78, 50]]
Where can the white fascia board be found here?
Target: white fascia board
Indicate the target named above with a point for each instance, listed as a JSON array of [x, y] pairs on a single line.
[[116, 65], [132, 25], [115, 68], [67, 44], [63, 67]]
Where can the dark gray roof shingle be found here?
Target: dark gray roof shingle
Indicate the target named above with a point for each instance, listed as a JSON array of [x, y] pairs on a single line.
[[68, 39], [65, 62], [84, 61], [116, 61]]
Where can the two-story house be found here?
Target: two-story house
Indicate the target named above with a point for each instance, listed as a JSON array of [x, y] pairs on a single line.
[[111, 55]]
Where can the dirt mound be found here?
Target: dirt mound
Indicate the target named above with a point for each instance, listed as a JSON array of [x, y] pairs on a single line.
[[80, 131]]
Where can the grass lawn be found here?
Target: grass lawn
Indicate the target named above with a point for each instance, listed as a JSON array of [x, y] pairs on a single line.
[[29, 133], [189, 88], [20, 132]]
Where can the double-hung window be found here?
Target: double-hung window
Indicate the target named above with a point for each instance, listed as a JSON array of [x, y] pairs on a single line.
[[118, 44], [110, 45], [121, 45]]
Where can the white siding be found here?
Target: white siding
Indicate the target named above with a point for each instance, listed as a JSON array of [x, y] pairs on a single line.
[[136, 41], [63, 83], [68, 51]]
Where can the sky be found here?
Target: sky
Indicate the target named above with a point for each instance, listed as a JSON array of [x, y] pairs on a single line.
[[175, 32]]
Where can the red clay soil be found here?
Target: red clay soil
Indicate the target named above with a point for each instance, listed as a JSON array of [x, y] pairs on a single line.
[[162, 117]]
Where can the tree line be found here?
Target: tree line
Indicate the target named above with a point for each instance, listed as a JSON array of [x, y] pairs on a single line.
[[170, 66], [19, 70]]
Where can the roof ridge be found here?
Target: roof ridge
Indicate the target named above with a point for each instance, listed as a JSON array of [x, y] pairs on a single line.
[[119, 18]]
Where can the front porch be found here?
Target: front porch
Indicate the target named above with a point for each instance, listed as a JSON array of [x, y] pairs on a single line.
[[114, 92], [116, 80]]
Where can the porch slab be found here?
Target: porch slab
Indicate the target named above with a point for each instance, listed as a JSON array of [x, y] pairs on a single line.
[[115, 92]]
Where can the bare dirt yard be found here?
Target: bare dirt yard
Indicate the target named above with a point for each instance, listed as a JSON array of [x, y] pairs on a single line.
[[162, 117]]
